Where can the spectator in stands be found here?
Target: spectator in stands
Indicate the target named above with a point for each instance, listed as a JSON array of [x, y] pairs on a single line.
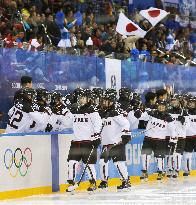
[[144, 53], [97, 42], [80, 41], [101, 30], [86, 33], [153, 58]]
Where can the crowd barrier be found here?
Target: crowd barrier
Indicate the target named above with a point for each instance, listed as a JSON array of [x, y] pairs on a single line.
[[36, 163]]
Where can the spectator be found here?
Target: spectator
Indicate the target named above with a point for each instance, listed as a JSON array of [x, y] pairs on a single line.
[[99, 23], [86, 33], [80, 42], [144, 53], [97, 38]]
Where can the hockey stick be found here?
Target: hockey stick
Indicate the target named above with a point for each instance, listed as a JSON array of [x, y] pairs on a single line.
[[142, 132], [72, 188]]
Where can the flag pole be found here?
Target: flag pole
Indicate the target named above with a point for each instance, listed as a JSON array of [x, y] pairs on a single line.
[[150, 29]]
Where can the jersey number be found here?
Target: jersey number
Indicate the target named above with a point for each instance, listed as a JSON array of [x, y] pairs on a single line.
[[17, 118]]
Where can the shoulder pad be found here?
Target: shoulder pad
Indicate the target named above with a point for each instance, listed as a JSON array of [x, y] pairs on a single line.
[[92, 109], [168, 118], [115, 112], [28, 108]]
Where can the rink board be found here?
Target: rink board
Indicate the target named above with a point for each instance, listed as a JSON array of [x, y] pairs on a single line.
[[36, 163]]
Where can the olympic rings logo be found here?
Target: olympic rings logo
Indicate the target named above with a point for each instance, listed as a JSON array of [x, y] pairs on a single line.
[[18, 161]]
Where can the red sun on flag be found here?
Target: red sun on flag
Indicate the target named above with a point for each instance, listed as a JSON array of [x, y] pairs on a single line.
[[130, 27], [154, 13]]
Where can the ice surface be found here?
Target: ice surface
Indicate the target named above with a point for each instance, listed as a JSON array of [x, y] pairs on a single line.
[[171, 191]]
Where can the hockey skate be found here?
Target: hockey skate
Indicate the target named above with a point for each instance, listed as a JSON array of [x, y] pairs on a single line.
[[103, 185], [186, 174], [169, 173], [71, 183], [125, 185], [92, 186], [160, 175], [144, 176], [175, 174]]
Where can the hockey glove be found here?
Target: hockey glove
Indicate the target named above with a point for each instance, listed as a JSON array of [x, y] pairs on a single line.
[[138, 114], [96, 141], [181, 119], [126, 139], [173, 140], [48, 128]]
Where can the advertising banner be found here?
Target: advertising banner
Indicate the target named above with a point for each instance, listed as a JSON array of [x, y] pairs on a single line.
[[113, 73]]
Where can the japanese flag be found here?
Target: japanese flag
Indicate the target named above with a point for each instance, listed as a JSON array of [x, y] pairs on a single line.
[[154, 15], [127, 27]]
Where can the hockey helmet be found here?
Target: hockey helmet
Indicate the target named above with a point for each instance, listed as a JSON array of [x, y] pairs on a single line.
[[111, 91], [56, 97], [175, 101], [191, 102], [125, 92], [98, 92], [162, 105], [110, 97], [28, 94], [42, 94]]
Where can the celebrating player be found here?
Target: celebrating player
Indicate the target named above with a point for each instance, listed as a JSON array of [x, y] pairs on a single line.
[[114, 136], [158, 126], [87, 125]]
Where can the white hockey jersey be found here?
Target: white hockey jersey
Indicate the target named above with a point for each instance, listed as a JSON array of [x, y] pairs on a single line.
[[179, 128], [60, 119], [191, 130], [115, 125], [159, 127], [133, 121], [86, 122], [22, 117], [40, 126]]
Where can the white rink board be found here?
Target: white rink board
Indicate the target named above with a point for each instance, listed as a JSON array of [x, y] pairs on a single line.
[[39, 169], [64, 146]]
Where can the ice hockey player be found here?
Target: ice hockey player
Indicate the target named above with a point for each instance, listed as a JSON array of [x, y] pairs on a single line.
[[150, 101], [124, 103], [43, 109], [114, 136], [125, 96], [136, 111], [24, 113], [26, 82], [158, 127], [91, 97], [87, 126], [150, 105], [190, 144], [98, 93], [61, 116], [162, 94], [176, 143]]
